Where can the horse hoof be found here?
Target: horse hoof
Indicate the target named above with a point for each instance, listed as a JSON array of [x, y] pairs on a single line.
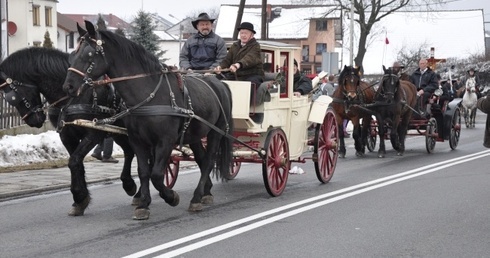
[[141, 214], [381, 155], [195, 207], [78, 209], [342, 155], [136, 201], [131, 190], [172, 202], [359, 154], [399, 154], [208, 199]]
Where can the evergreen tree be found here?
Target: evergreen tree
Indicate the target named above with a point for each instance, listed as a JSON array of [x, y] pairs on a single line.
[[101, 23], [47, 43], [142, 33]]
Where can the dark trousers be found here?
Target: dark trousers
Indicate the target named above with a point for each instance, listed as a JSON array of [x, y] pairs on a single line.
[[105, 148]]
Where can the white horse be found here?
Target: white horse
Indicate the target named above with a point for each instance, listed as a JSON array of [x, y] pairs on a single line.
[[469, 102]]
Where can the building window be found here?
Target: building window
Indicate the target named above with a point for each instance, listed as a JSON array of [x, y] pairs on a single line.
[[71, 40], [321, 25], [320, 48], [36, 16], [48, 16], [305, 53]]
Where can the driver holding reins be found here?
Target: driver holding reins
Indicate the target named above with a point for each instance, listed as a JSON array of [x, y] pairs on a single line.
[[426, 82]]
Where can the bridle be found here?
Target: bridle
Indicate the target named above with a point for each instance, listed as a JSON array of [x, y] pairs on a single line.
[[13, 97], [393, 80]]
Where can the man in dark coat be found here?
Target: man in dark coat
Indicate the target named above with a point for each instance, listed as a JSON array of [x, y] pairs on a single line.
[[483, 105], [243, 59], [204, 50], [302, 84], [426, 82]]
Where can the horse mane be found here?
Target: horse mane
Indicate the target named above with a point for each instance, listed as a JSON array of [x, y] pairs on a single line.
[[48, 62], [346, 72], [133, 52]]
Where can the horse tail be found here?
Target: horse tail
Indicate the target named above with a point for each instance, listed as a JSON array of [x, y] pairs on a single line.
[[224, 159]]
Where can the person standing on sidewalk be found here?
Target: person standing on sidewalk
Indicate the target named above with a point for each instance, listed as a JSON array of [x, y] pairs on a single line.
[[103, 151]]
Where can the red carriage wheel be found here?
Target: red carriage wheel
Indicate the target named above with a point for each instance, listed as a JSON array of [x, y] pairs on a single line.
[[171, 172], [455, 129], [276, 165], [431, 135], [326, 148], [235, 167]]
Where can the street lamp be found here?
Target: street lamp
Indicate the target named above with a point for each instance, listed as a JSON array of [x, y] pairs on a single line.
[[181, 28]]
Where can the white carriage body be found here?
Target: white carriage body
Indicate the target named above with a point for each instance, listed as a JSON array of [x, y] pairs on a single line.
[[290, 113]]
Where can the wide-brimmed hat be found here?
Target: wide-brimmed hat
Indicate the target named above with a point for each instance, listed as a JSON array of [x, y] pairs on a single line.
[[201, 17], [247, 26], [471, 70]]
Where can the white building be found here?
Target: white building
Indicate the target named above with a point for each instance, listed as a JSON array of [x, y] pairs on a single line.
[[32, 18]]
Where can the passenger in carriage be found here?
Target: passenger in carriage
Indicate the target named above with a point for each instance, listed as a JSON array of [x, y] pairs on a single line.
[[445, 86], [397, 69], [243, 59], [426, 82], [204, 50], [302, 84]]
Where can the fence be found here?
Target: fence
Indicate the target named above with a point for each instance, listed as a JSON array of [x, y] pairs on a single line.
[[9, 116]]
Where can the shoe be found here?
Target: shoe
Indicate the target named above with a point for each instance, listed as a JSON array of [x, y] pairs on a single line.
[[97, 156], [110, 160]]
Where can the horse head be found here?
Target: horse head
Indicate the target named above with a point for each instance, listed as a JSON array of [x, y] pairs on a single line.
[[389, 85], [88, 61], [349, 80], [25, 98], [471, 84]]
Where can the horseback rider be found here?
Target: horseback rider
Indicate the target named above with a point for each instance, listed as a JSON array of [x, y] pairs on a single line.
[[471, 73]]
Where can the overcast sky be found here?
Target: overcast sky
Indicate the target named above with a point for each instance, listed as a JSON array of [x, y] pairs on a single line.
[[127, 9]]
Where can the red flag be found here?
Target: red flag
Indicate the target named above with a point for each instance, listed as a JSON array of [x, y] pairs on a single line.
[[387, 41]]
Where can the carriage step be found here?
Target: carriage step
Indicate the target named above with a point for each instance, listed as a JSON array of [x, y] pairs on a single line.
[[257, 117]]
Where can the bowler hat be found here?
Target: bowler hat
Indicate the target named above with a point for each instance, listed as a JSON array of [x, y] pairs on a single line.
[[247, 26], [201, 17]]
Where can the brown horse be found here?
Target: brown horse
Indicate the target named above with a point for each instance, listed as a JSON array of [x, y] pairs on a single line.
[[395, 99], [348, 103]]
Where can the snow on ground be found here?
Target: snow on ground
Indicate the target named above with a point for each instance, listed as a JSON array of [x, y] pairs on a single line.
[[26, 149]]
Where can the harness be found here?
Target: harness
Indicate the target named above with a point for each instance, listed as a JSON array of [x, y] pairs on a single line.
[[141, 109]]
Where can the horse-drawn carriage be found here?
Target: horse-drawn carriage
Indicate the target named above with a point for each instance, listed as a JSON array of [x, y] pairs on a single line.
[[439, 120], [177, 111]]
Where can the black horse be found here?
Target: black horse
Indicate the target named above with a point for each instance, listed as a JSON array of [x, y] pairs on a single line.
[[349, 100], [394, 102], [165, 109], [30, 72]]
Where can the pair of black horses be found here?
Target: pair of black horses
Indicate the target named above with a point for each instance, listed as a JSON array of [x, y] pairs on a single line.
[[159, 108]]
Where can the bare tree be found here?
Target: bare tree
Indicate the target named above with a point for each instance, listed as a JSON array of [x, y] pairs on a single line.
[[368, 13]]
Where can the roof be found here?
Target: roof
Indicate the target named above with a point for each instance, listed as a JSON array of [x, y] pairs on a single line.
[[113, 22], [66, 23], [293, 22]]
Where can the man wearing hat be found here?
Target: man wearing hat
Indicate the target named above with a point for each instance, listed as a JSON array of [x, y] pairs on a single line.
[[472, 73], [243, 58], [204, 50]]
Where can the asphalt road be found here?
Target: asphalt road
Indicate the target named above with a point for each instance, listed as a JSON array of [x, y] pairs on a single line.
[[418, 205]]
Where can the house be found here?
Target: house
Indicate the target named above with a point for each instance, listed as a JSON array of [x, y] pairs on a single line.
[[31, 20], [307, 26]]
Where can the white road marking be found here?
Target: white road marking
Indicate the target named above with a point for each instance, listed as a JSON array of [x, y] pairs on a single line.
[[316, 202]]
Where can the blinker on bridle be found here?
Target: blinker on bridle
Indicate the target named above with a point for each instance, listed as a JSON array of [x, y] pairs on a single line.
[[13, 97]]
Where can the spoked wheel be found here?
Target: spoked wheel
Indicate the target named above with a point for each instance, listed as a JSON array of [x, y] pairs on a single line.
[[171, 172], [235, 167], [431, 135], [455, 129], [276, 165], [326, 148]]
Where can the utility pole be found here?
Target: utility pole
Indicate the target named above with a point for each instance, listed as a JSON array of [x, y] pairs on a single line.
[[351, 58]]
